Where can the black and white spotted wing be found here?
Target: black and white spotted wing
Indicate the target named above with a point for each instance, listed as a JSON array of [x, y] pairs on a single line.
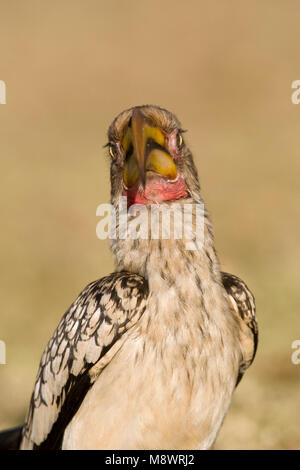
[[90, 333], [243, 303]]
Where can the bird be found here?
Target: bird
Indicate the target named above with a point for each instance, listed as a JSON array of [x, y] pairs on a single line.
[[149, 356]]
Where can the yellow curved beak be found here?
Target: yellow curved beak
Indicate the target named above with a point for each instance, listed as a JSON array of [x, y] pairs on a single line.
[[143, 158]]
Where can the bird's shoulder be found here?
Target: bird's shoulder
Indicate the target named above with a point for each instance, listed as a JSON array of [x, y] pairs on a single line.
[[242, 303], [87, 337]]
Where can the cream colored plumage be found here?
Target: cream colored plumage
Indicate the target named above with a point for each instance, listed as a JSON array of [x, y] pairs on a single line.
[[148, 357]]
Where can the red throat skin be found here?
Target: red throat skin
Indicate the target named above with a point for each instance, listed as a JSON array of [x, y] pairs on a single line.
[[157, 190]]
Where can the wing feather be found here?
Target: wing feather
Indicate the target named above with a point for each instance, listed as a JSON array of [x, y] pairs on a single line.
[[243, 306], [87, 337]]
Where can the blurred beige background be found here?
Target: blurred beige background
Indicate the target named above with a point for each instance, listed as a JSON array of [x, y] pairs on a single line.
[[225, 68]]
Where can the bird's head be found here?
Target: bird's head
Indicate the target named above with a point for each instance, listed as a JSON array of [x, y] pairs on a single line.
[[150, 162]]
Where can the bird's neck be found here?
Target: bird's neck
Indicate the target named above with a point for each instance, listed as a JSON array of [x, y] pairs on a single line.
[[173, 262], [185, 288], [186, 296]]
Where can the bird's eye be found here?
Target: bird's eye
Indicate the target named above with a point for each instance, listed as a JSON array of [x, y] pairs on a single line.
[[179, 140], [113, 151]]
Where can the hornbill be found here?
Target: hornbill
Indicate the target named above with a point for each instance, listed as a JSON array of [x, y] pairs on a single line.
[[149, 356]]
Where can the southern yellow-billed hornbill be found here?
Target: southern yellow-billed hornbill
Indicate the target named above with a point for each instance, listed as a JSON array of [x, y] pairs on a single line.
[[149, 356]]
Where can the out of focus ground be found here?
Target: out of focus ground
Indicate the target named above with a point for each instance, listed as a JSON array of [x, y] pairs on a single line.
[[225, 68]]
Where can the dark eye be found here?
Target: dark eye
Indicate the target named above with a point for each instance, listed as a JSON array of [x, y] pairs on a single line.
[[179, 140], [113, 151]]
